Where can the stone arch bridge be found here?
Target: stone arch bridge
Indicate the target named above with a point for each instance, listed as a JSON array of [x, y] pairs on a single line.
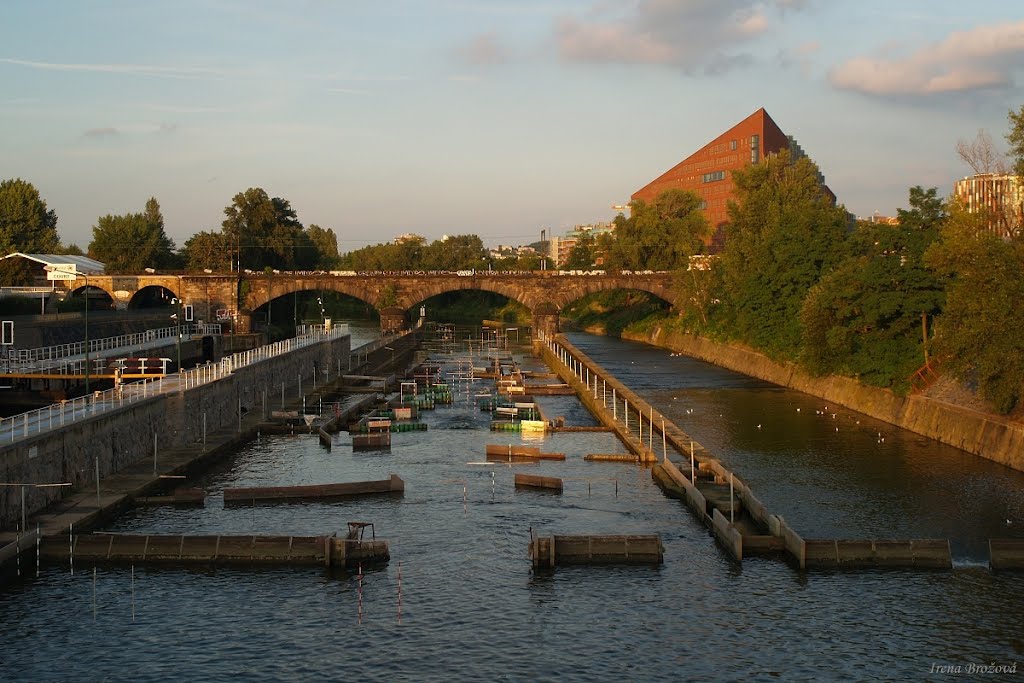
[[544, 293]]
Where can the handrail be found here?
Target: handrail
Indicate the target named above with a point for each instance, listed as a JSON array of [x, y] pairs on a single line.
[[66, 412]]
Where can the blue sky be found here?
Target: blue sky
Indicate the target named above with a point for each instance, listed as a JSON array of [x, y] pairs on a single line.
[[494, 117]]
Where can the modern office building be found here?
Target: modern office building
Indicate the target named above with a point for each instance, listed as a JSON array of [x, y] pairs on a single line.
[[1001, 195], [708, 170]]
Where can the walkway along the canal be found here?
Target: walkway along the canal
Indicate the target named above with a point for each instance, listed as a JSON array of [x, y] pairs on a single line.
[[105, 493], [717, 496]]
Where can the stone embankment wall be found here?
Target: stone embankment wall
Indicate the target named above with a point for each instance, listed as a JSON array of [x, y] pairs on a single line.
[[117, 438], [988, 435]]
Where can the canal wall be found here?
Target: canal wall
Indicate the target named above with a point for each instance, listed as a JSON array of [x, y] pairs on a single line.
[[100, 445], [991, 436]]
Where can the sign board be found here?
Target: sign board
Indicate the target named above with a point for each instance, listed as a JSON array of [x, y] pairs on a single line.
[[60, 275], [225, 314], [8, 333]]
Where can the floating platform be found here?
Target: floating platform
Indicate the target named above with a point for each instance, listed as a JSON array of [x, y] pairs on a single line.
[[230, 550], [534, 481], [272, 494], [548, 552]]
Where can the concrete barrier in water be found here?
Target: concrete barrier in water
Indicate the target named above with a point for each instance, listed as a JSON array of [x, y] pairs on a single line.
[[515, 453], [548, 552], [328, 550], [1006, 553], [270, 494], [538, 482], [727, 535], [921, 553]]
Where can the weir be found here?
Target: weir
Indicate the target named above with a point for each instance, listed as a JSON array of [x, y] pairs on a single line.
[[720, 499]]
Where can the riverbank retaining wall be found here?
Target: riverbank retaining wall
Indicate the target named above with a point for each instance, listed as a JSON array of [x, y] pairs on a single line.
[[985, 434], [107, 442]]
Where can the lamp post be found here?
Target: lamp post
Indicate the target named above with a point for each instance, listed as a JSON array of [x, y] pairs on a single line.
[[86, 292], [177, 319]]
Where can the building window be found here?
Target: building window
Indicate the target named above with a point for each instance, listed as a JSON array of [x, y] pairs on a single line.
[[713, 176], [732, 146], [755, 151], [703, 204]]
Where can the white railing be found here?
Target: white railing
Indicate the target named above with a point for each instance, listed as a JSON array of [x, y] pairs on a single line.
[[106, 343], [59, 414]]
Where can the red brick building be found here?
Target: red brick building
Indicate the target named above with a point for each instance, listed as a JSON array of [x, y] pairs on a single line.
[[708, 170]]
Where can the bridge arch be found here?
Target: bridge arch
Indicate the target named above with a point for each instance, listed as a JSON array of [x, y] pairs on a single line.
[[263, 290], [662, 289]]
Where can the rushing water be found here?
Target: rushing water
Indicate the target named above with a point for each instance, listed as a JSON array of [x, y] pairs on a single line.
[[472, 610]]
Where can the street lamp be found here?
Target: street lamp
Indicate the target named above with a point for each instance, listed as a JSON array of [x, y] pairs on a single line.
[[177, 319], [86, 292]]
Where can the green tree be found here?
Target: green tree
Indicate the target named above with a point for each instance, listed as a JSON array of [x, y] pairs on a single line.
[[325, 245], [581, 256], [784, 234], [458, 252], [206, 250], [130, 243], [26, 225], [864, 318], [978, 334], [1016, 139], [661, 235], [265, 232]]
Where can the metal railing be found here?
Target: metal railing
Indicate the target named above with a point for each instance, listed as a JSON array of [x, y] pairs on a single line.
[[60, 414], [61, 351]]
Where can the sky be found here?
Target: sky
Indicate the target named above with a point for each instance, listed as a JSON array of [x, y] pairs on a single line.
[[499, 118]]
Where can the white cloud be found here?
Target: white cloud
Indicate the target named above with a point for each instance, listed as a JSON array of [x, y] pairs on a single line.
[[695, 35], [984, 57]]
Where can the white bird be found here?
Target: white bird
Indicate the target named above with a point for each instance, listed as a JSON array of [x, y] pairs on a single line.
[[798, 410], [1008, 522], [758, 426]]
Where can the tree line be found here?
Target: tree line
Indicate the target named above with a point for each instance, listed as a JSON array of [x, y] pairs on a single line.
[[258, 232]]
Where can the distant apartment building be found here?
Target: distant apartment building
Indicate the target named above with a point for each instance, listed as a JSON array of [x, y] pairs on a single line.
[[708, 171], [560, 247], [1000, 195], [879, 219], [409, 237]]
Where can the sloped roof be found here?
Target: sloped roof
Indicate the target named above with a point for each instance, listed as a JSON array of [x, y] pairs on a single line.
[[83, 264]]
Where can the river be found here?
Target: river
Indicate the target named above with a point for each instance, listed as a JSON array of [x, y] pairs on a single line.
[[471, 609]]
